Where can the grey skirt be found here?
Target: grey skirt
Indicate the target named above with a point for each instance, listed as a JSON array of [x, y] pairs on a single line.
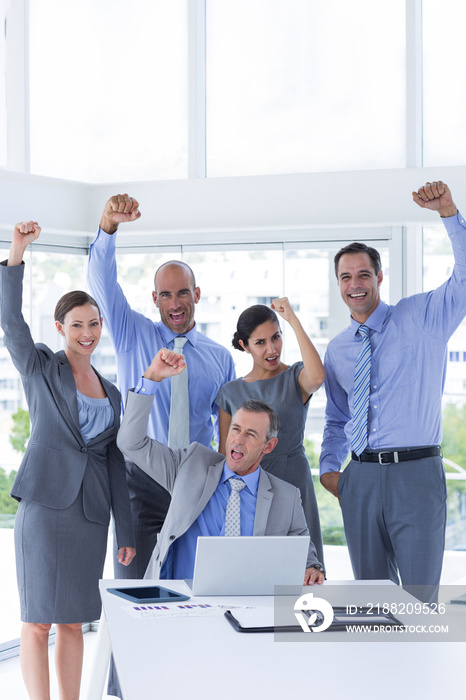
[[59, 560]]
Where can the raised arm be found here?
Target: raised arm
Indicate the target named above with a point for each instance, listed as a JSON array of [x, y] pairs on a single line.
[[313, 374], [120, 320], [442, 310], [157, 460], [17, 335], [24, 234]]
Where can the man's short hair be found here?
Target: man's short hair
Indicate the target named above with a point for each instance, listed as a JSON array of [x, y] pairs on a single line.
[[353, 249], [258, 406], [178, 263]]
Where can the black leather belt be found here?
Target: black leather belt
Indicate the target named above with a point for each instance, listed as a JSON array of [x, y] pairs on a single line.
[[390, 456]]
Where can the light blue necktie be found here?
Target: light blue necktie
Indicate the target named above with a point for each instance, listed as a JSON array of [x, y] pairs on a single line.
[[362, 382], [178, 426]]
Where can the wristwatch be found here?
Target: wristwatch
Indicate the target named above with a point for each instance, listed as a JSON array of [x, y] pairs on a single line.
[[318, 567]]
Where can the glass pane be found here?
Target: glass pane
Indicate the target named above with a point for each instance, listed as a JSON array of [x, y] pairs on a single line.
[[108, 89], [3, 124], [304, 86], [444, 98], [438, 264], [230, 281]]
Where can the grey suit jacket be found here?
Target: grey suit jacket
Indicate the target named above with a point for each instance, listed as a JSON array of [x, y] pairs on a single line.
[[58, 462], [191, 476]]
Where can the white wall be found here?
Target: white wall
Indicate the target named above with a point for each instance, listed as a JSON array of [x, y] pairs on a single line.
[[225, 210]]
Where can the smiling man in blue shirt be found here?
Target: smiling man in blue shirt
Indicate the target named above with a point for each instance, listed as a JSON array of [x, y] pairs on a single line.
[[393, 494]]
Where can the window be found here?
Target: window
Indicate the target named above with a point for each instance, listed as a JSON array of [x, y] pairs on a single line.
[[444, 99], [236, 278], [108, 89], [304, 86], [3, 112]]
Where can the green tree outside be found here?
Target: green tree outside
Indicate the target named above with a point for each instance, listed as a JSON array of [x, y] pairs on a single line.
[[8, 505], [18, 438], [331, 519], [21, 430], [454, 449]]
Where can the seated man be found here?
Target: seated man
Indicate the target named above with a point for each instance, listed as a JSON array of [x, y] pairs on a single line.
[[198, 479]]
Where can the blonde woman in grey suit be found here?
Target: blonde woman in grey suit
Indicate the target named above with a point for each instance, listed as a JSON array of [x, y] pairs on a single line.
[[71, 476]]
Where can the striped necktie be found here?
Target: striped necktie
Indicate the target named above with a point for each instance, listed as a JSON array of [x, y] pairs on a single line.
[[362, 381]]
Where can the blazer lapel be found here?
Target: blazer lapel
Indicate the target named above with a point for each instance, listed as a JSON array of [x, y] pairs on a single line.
[[68, 403], [113, 396], [263, 503]]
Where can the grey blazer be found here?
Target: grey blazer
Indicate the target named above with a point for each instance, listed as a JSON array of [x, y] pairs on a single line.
[[57, 461], [191, 476]]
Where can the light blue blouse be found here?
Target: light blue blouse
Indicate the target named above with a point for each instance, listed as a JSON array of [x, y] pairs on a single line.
[[95, 416]]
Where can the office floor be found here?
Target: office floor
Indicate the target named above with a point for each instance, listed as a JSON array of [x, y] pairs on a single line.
[[11, 682], [336, 559]]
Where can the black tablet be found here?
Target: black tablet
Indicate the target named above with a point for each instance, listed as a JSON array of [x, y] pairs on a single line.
[[148, 594]]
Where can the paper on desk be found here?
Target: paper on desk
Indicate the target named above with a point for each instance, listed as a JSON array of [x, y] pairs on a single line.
[[178, 610]]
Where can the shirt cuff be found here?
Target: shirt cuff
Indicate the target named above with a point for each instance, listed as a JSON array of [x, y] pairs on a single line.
[[104, 240], [146, 386], [454, 223], [328, 467]]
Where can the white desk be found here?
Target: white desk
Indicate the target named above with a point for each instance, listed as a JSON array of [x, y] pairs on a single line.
[[204, 658]]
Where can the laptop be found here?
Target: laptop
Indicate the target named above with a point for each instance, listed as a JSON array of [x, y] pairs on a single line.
[[249, 565]]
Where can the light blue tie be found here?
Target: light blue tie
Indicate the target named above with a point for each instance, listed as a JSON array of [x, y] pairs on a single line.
[[178, 426], [362, 382]]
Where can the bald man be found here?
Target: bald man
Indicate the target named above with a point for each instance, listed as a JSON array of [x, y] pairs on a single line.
[[136, 340]]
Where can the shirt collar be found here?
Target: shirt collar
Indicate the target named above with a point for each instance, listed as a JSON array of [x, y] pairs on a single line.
[[251, 480], [375, 320], [168, 335]]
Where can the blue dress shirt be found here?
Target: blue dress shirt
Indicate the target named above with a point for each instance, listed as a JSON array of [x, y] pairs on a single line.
[[409, 351], [137, 339], [179, 563]]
